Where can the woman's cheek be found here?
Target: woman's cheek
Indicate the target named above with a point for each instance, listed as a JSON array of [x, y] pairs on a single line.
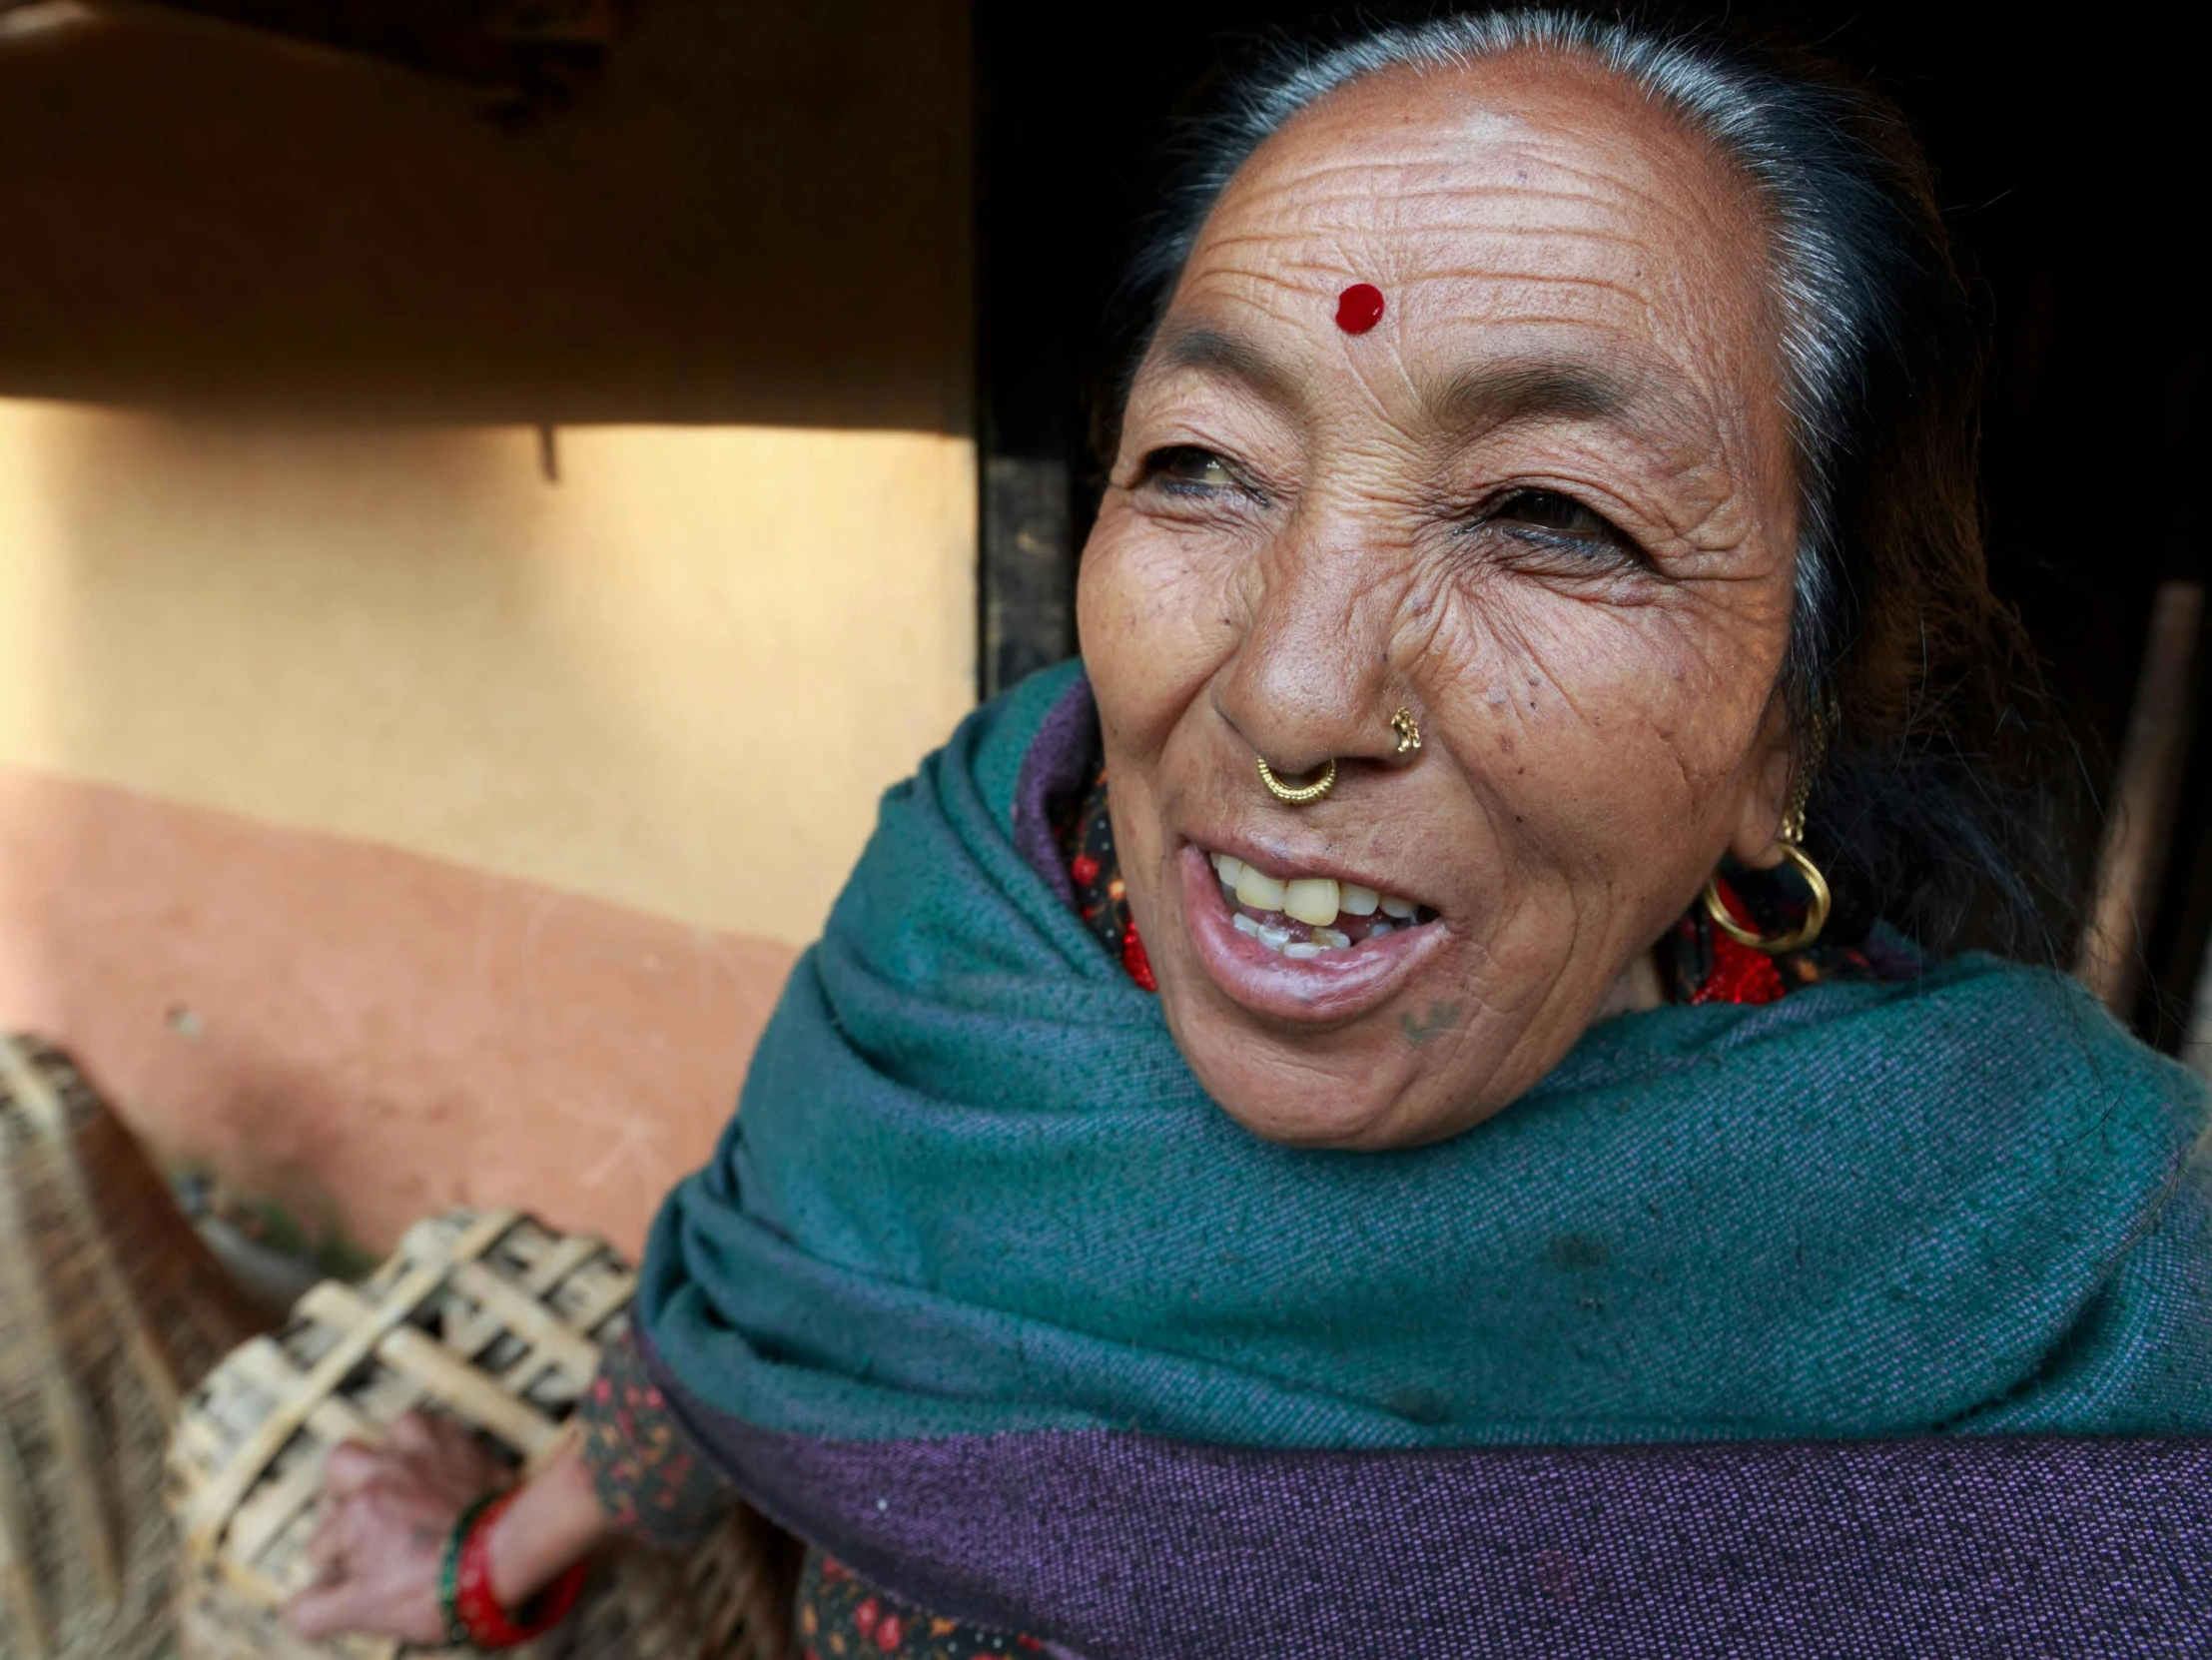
[[1600, 753], [1109, 630], [1148, 621]]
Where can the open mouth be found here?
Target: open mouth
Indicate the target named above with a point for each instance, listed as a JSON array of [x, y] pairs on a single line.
[[1305, 918], [1301, 948]]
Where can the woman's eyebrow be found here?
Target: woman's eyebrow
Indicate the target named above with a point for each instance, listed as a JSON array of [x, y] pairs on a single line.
[[1195, 346], [1507, 390], [1575, 388]]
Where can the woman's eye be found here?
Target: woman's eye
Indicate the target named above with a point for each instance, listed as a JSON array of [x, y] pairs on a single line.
[[1562, 516], [1187, 465]]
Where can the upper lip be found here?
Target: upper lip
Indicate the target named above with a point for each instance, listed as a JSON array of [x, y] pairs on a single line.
[[1275, 863]]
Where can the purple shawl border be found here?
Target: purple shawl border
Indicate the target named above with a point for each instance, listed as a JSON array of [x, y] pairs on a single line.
[[1052, 769], [1127, 1547]]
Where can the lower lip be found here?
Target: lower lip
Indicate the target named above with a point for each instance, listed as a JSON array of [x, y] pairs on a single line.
[[1335, 986]]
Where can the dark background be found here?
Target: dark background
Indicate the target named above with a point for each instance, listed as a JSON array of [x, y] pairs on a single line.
[[2068, 177]]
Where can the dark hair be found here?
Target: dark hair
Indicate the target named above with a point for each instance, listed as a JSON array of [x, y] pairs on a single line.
[[1912, 691]]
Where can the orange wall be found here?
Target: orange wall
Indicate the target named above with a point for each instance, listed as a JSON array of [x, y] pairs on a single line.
[[366, 1035]]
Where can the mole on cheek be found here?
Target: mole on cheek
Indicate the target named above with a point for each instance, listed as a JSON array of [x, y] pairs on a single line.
[[1360, 308]]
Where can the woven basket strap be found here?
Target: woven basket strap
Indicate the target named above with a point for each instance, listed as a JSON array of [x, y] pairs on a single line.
[[23, 1294], [610, 1300], [259, 1591], [211, 1508], [529, 1319], [442, 1375], [568, 1254], [35, 1093], [748, 1622], [18, 1573], [273, 1507]]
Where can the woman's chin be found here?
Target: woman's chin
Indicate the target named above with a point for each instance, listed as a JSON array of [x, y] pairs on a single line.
[[1327, 989], [1267, 1088]]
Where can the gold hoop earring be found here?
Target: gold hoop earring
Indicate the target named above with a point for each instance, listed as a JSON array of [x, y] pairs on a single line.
[[1815, 916], [1299, 794], [1407, 728]]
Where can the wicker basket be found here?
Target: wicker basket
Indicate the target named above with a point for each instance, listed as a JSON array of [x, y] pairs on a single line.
[[493, 1321], [110, 1310]]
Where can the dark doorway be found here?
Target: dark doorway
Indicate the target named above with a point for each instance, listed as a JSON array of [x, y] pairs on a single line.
[[2067, 175]]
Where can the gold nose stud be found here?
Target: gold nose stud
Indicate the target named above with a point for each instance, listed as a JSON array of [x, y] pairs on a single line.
[[1407, 728], [1298, 794]]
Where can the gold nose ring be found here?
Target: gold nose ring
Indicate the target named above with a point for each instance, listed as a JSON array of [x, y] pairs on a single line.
[[1299, 794], [1407, 728]]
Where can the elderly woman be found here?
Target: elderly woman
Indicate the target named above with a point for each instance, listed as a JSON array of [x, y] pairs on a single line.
[[1459, 978]]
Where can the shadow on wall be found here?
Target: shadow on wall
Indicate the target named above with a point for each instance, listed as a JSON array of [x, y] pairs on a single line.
[[757, 214]]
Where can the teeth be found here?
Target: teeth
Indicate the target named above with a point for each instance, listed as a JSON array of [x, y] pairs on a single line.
[[1316, 901], [1279, 940], [1260, 890], [1310, 899]]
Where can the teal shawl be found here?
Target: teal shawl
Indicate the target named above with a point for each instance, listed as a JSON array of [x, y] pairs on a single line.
[[972, 1188]]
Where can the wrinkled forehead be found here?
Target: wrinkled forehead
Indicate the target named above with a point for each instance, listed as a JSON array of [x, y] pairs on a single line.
[[1529, 196]]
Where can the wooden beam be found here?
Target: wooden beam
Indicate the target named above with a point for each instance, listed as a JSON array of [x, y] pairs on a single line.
[[537, 50], [2139, 818]]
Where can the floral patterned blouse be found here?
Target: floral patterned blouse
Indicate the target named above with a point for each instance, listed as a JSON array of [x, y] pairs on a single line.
[[658, 1485]]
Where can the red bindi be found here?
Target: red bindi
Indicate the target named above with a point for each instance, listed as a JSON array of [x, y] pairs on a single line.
[[1360, 308]]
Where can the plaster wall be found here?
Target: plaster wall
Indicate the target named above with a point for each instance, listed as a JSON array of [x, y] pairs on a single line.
[[675, 680], [464, 587]]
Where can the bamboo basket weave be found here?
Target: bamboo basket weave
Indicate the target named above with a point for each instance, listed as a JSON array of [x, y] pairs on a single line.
[[110, 1310], [497, 1322]]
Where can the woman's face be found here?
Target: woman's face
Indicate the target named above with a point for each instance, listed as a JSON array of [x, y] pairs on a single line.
[[1546, 504]]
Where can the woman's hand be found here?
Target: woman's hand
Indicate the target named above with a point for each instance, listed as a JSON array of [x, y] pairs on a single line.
[[386, 1515]]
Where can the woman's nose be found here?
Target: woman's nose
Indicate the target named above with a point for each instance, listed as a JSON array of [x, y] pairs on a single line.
[[1313, 678]]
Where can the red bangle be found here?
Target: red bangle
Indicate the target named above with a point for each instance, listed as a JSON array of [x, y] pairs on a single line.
[[477, 1610]]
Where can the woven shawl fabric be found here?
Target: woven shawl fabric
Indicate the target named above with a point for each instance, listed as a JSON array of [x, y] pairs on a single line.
[[984, 1296]]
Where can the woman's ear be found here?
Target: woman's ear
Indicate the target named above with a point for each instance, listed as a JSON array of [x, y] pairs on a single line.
[[1756, 841]]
